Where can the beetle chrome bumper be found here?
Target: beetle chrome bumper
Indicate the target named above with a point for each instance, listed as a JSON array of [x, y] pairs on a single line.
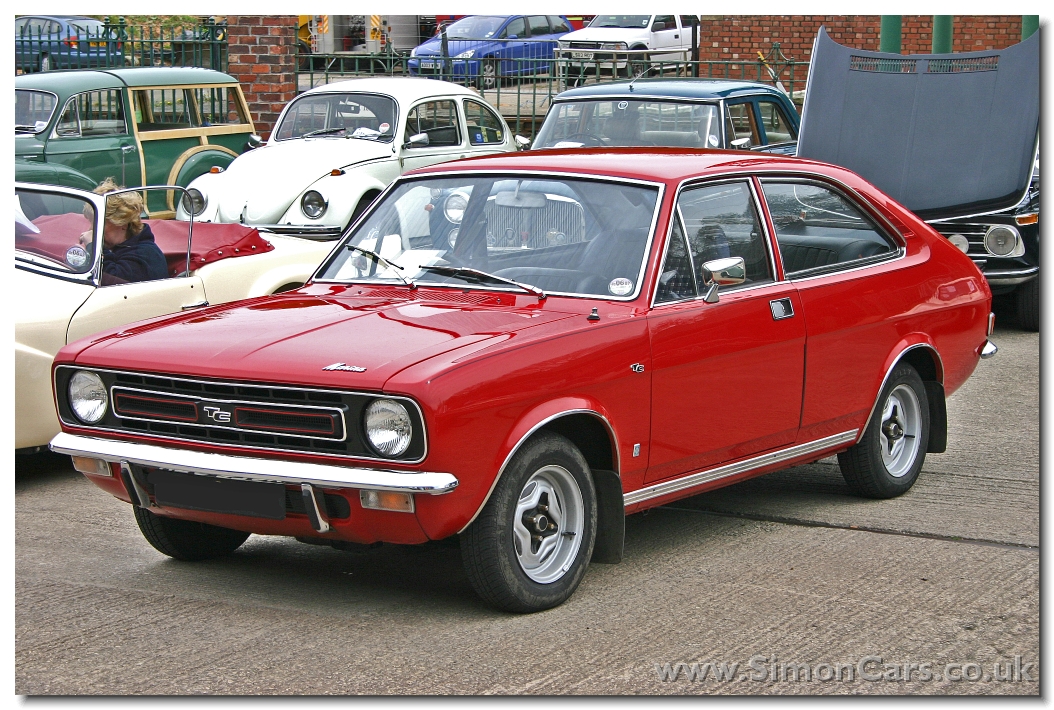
[[253, 469]]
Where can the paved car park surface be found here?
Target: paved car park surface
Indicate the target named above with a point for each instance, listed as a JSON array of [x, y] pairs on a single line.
[[775, 574]]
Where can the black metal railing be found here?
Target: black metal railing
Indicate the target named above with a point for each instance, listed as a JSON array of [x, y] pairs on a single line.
[[117, 44]]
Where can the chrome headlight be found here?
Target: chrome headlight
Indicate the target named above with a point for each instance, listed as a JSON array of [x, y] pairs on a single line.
[[1002, 240], [194, 201], [466, 55], [960, 242], [388, 427], [313, 204], [454, 207], [88, 396]]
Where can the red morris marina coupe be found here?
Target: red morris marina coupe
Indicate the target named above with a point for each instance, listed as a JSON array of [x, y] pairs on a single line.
[[520, 350]]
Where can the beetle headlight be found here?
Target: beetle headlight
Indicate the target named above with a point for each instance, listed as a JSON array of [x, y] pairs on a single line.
[[87, 396], [313, 204], [454, 207], [194, 201], [388, 427], [1001, 240]]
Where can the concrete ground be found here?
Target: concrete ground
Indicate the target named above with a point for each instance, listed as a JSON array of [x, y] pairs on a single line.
[[788, 576]]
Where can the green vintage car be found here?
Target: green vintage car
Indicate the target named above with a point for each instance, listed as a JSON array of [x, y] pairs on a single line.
[[139, 126]]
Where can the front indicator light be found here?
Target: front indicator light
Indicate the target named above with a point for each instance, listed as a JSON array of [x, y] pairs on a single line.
[[95, 467], [87, 395], [1023, 219], [388, 427], [387, 500]]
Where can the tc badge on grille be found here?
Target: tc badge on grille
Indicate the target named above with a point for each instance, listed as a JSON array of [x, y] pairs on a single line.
[[345, 367]]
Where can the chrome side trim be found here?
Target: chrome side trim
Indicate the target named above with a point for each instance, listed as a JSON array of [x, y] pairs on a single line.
[[314, 503], [253, 469], [885, 379], [732, 469], [530, 432]]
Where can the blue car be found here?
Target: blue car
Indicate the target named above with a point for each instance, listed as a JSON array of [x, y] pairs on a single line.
[[44, 42], [484, 48]]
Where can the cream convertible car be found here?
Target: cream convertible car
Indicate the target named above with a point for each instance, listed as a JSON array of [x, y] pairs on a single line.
[[337, 146], [62, 296]]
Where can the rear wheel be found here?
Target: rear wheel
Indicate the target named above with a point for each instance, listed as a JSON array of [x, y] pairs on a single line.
[[1028, 305], [529, 548], [185, 539], [885, 463]]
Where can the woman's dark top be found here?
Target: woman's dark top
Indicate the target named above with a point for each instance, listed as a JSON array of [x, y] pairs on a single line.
[[137, 258]]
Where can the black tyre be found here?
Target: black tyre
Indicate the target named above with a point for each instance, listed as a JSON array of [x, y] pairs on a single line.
[[187, 540], [885, 463], [1028, 305], [529, 548]]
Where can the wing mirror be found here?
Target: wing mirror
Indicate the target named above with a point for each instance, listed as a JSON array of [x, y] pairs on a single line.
[[522, 142], [730, 271], [254, 141], [418, 140], [658, 26], [740, 143]]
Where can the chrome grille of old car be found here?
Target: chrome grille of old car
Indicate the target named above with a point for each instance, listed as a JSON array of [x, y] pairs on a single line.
[[561, 221]]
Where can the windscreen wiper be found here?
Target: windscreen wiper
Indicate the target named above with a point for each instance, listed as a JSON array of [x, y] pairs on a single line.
[[384, 262], [478, 276], [323, 132]]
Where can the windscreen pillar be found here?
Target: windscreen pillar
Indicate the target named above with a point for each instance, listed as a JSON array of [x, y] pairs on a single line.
[[942, 34], [889, 34]]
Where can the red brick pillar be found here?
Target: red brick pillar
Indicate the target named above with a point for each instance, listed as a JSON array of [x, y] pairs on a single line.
[[262, 56]]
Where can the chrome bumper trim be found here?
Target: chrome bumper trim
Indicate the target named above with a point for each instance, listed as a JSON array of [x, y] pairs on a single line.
[[253, 469], [988, 350], [1010, 277], [300, 229], [697, 479]]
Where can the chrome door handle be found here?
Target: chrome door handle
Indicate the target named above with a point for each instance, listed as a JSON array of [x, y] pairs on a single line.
[[191, 306], [781, 308], [127, 148]]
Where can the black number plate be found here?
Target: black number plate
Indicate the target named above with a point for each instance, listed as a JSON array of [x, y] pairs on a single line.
[[218, 495]]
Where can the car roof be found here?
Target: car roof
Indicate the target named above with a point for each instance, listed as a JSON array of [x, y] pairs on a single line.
[[75, 80], [671, 88], [671, 165], [403, 88]]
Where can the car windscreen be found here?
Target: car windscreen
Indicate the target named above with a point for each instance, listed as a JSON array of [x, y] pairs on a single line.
[[55, 231], [621, 122], [33, 110], [475, 27], [353, 115], [561, 235], [634, 21]]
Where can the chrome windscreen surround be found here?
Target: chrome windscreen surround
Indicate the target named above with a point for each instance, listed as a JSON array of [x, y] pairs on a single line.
[[251, 416]]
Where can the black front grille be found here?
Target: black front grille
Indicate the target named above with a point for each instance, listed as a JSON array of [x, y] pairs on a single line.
[[132, 405], [285, 421], [585, 45]]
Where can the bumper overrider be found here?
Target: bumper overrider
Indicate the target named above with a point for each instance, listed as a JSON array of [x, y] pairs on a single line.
[[311, 478]]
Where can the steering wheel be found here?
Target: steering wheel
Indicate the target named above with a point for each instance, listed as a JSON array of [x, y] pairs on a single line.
[[588, 139]]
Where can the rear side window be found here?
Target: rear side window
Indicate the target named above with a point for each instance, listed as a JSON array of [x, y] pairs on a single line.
[[483, 126], [777, 127], [558, 24], [219, 106], [539, 25], [164, 109], [818, 229]]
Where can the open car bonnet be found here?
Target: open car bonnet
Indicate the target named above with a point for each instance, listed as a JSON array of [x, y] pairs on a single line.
[[946, 135]]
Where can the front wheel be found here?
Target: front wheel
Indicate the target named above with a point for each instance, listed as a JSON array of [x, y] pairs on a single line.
[[185, 539], [1028, 305], [886, 462], [529, 548], [488, 74]]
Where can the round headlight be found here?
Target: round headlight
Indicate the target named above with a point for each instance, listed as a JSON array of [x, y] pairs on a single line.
[[454, 207], [452, 237], [960, 242], [313, 204], [87, 396], [194, 201], [1000, 240], [388, 427]]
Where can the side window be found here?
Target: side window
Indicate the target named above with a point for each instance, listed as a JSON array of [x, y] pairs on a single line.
[[688, 20], [102, 113], [164, 109], [69, 125], [668, 20], [516, 27], [740, 124], [720, 221], [483, 126], [817, 227], [219, 106], [777, 127], [558, 24], [676, 282], [438, 119], [539, 25]]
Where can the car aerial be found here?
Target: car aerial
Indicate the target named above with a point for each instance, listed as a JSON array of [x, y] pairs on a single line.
[[608, 331], [959, 147], [628, 42], [485, 48], [66, 296], [45, 42], [337, 146], [685, 113], [139, 126]]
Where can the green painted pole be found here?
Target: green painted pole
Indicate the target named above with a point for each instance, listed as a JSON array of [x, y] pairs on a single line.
[[889, 35], [1029, 25], [942, 34]]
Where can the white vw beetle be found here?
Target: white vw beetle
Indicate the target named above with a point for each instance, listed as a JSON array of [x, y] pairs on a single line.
[[337, 146]]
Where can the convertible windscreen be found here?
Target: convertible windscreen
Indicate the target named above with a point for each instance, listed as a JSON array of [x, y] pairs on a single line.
[[561, 235], [368, 116], [55, 230], [620, 122]]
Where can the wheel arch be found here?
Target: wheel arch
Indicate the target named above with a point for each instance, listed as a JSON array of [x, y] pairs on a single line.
[[924, 357]]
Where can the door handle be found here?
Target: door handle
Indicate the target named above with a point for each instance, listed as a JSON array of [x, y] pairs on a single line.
[[127, 148], [781, 308], [192, 306]]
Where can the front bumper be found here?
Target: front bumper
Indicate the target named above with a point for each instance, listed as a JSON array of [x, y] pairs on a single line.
[[308, 231], [253, 469]]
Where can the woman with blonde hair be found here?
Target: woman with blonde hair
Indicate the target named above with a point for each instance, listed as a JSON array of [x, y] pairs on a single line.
[[129, 251]]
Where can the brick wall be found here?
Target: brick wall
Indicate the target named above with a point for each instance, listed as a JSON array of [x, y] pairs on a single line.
[[262, 56]]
